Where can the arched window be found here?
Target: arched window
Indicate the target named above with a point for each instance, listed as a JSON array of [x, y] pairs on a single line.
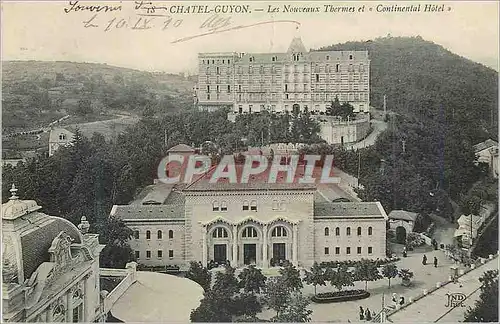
[[275, 205], [148, 235], [215, 206], [279, 231], [218, 70], [219, 232], [282, 205], [370, 230], [136, 235], [245, 205], [327, 231], [249, 232], [159, 234], [170, 234], [223, 206], [337, 231], [359, 231], [253, 205], [348, 231]]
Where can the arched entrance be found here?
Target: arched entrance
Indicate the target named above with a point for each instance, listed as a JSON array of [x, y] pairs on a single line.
[[296, 108], [220, 239], [401, 235], [280, 238]]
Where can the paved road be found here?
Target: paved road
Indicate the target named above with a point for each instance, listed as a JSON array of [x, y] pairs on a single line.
[[378, 127], [432, 308]]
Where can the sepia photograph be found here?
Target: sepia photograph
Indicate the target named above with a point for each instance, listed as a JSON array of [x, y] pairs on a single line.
[[250, 161]]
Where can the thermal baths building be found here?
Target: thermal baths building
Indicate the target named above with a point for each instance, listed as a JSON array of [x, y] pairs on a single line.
[[256, 223], [278, 82]]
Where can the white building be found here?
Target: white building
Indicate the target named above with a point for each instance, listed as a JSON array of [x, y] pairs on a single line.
[[59, 137]]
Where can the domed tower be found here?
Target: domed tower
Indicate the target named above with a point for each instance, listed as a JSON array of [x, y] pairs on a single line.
[[46, 261]]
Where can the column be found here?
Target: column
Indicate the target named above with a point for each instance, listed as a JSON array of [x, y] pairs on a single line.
[[295, 245], [88, 306], [265, 261], [204, 257], [69, 306], [234, 262]]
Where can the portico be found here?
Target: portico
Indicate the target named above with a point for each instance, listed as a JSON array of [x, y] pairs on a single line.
[[250, 241]]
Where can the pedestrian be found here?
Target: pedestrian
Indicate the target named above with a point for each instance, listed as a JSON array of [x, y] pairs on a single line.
[[368, 315], [424, 260], [404, 252], [394, 298], [435, 262], [401, 300], [361, 313]]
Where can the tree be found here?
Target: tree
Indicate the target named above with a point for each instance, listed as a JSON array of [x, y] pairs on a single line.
[[291, 277], [486, 308], [341, 277], [252, 280], [315, 277], [226, 281], [276, 294], [335, 107], [199, 274], [84, 107], [117, 252], [366, 270], [390, 271], [405, 275], [214, 307], [296, 310]]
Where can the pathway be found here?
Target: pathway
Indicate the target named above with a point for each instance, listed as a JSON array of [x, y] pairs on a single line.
[[378, 127], [432, 307]]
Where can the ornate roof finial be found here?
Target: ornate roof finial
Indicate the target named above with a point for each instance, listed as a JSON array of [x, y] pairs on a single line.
[[13, 191], [84, 225]]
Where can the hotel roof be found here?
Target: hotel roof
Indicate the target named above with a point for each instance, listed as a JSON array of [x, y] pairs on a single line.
[[148, 212], [484, 145]]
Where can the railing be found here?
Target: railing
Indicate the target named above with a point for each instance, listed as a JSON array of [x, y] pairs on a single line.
[[129, 275]]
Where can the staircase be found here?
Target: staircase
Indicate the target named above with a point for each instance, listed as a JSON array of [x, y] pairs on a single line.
[[387, 309]]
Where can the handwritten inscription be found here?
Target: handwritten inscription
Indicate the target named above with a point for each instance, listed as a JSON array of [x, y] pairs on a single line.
[[74, 6]]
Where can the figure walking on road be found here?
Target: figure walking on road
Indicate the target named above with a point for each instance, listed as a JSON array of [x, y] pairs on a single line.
[[435, 262], [361, 313], [424, 260]]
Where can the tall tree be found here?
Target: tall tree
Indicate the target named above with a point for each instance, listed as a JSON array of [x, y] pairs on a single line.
[[199, 274], [252, 280], [390, 271], [366, 270], [341, 277], [486, 308], [291, 277]]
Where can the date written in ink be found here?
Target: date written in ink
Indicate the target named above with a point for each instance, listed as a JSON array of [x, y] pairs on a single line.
[[133, 23]]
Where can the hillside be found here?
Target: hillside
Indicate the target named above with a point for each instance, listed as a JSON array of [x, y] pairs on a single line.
[[35, 93], [426, 81]]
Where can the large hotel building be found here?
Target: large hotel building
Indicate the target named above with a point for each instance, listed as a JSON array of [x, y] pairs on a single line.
[[278, 82]]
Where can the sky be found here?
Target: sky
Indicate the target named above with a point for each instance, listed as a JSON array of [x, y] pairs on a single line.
[[44, 31]]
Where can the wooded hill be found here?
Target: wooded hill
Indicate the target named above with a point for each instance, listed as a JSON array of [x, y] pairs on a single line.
[[35, 93]]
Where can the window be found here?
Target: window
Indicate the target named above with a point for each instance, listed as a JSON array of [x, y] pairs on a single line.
[[148, 254], [282, 205], [137, 254], [317, 77], [159, 234], [370, 230], [275, 205], [327, 231], [337, 68], [228, 88], [240, 108], [348, 250], [359, 250], [350, 57], [170, 234], [249, 232], [286, 87], [148, 235], [251, 59], [245, 205], [253, 205], [213, 61], [348, 231], [327, 250], [250, 108], [62, 137], [359, 231], [337, 231], [328, 57], [218, 70], [208, 96], [136, 235], [170, 254], [219, 232], [228, 61], [215, 206], [370, 250], [337, 250], [250, 70], [223, 206], [160, 254], [279, 231]]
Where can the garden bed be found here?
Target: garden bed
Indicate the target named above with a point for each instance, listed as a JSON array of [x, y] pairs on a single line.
[[340, 296], [353, 263]]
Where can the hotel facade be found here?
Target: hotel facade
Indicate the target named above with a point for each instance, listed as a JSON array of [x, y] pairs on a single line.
[[255, 223], [279, 82]]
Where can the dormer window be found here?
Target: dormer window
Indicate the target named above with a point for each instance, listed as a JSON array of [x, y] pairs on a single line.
[[252, 59], [215, 206], [62, 137]]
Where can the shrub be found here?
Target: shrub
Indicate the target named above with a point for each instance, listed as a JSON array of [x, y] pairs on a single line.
[[340, 296]]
